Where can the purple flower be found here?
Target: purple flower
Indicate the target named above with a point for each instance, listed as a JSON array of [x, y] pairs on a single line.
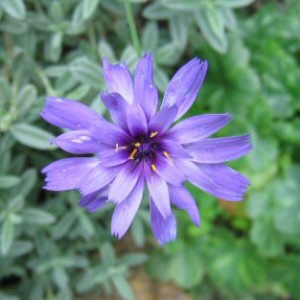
[[141, 148]]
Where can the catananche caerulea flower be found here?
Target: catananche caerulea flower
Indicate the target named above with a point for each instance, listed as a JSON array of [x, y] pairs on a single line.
[[141, 148]]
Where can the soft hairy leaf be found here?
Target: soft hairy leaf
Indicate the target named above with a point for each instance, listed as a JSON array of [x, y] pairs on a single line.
[[32, 136], [15, 8], [37, 216]]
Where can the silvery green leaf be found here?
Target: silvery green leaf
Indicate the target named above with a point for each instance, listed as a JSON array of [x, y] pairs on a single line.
[[234, 3], [8, 297], [108, 255], [214, 20], [37, 216], [105, 50], [80, 92], [114, 7], [56, 12], [65, 294], [65, 224], [15, 8], [187, 5], [92, 278], [161, 79], [27, 181], [87, 226], [8, 181], [32, 136], [215, 34], [123, 287], [132, 259], [89, 7], [228, 17], [55, 71], [168, 54], [66, 82], [129, 56], [138, 232], [98, 105], [87, 72], [60, 277], [179, 26], [14, 26], [20, 248], [150, 36], [157, 11], [16, 204], [26, 97], [7, 234], [54, 46]]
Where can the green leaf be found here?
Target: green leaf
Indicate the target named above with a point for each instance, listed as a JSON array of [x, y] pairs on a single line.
[[8, 297], [157, 11], [212, 27], [87, 72], [266, 237], [7, 235], [108, 255], [64, 225], [129, 55], [228, 17], [27, 182], [179, 26], [105, 50], [20, 248], [138, 232], [187, 5], [150, 36], [56, 12], [60, 277], [8, 181], [26, 97], [123, 287], [89, 7], [168, 54], [133, 259], [37, 216], [92, 278], [87, 225], [32, 136], [161, 79], [15, 8], [187, 268], [234, 3]]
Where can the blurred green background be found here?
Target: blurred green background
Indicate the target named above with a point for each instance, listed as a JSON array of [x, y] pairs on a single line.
[[52, 249]]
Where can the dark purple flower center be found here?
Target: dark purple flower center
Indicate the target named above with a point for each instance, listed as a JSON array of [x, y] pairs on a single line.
[[144, 148]]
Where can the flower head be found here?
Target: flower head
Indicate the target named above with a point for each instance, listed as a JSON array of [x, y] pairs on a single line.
[[141, 148]]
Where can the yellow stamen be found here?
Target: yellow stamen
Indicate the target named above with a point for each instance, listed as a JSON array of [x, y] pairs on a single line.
[[153, 134], [153, 166], [133, 153], [137, 144], [167, 154]]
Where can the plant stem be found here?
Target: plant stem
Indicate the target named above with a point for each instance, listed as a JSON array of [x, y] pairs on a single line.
[[132, 27]]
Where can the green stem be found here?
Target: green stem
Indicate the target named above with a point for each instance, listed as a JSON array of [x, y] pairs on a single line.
[[133, 31]]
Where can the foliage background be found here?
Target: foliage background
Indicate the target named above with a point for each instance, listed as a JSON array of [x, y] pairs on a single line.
[[52, 249]]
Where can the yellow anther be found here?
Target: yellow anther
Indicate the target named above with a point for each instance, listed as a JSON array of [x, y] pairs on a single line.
[[133, 153], [153, 134], [153, 166], [137, 144], [167, 154]]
